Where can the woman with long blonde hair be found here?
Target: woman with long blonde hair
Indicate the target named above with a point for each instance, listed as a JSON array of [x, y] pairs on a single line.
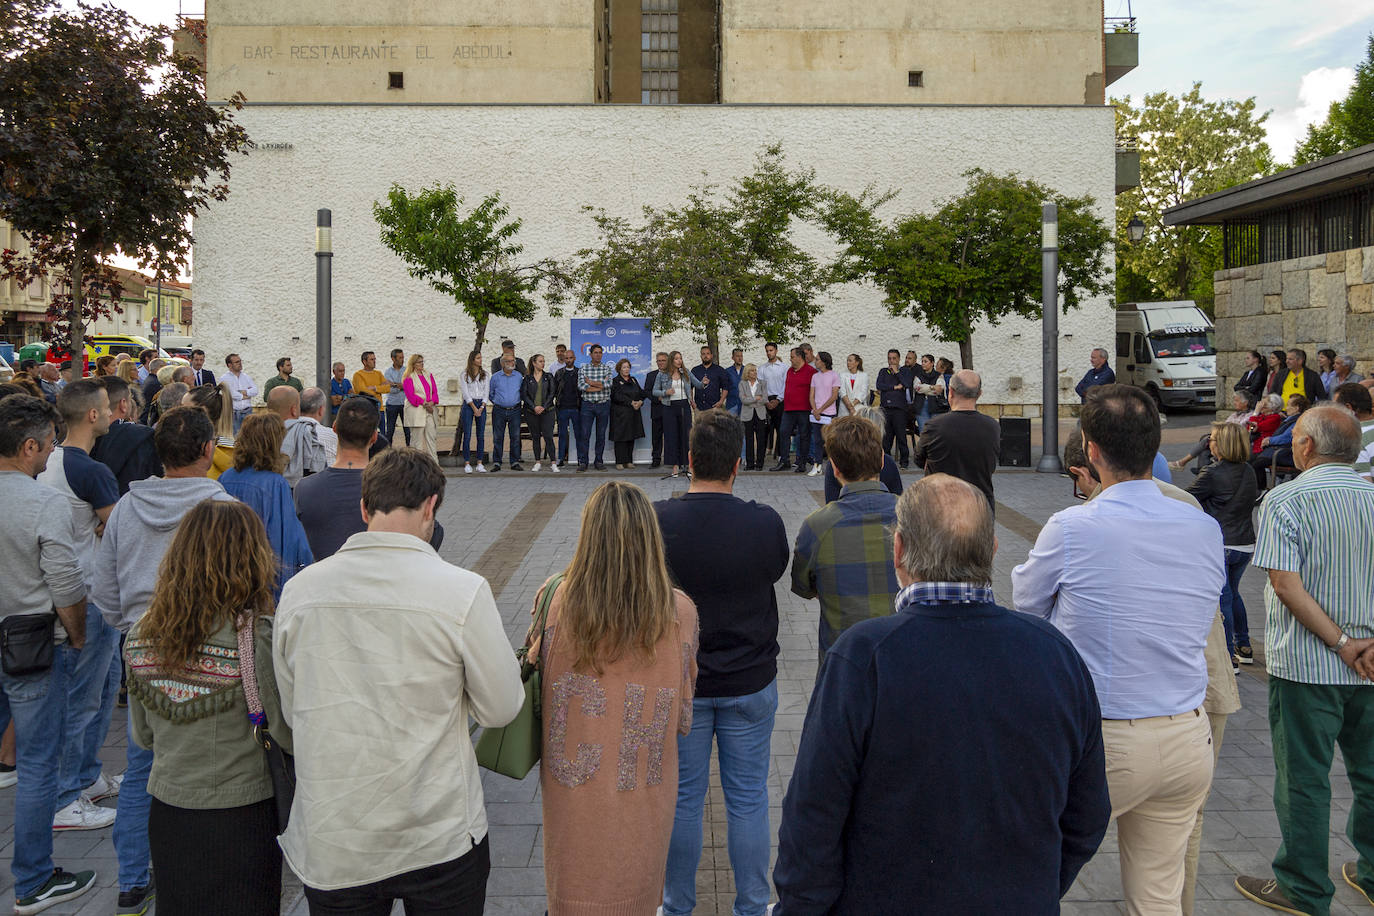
[[256, 479], [422, 406], [218, 403], [618, 653], [212, 826], [128, 371]]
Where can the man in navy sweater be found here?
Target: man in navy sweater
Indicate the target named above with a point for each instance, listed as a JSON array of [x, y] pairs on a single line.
[[951, 760]]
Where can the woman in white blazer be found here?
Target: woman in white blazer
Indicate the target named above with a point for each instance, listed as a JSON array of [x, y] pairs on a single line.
[[753, 412], [853, 385]]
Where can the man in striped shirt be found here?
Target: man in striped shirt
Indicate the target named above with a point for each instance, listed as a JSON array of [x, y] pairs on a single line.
[[1314, 534]]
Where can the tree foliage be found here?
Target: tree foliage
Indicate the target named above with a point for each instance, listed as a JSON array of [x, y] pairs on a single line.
[[1349, 123], [1189, 147], [470, 257], [107, 144], [723, 262], [977, 258]]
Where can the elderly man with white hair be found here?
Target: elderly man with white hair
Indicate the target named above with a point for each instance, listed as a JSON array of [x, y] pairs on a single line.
[[1342, 373], [1313, 539], [1101, 373]]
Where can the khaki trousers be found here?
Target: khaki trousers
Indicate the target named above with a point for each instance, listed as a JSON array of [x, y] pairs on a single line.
[[1218, 720], [426, 438], [1158, 773]]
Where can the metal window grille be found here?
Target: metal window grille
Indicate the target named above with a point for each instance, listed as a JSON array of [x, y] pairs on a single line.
[[1336, 222], [658, 52]]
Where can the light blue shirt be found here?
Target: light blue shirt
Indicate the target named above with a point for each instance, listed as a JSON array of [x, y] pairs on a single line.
[[1160, 470], [1132, 578], [505, 389], [396, 397]]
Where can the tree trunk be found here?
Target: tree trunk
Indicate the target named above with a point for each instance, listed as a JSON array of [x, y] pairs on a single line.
[[77, 348], [713, 341], [966, 351], [481, 333]]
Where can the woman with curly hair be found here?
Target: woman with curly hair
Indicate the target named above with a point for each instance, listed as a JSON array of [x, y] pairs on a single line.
[[256, 479], [192, 658]]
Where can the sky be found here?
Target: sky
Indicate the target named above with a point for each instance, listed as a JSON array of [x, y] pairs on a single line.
[[1295, 59]]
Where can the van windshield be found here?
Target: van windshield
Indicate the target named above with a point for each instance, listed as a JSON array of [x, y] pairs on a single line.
[[1176, 343]]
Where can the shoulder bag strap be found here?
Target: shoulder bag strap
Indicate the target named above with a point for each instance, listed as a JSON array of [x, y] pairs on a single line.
[[540, 622]]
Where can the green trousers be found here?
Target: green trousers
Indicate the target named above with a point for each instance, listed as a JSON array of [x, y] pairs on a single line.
[[1308, 721]]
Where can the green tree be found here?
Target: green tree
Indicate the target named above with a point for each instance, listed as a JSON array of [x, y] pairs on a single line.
[[1349, 123], [720, 263], [107, 144], [1189, 146], [977, 258], [468, 256]]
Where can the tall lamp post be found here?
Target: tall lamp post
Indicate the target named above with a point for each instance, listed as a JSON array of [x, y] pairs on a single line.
[[324, 304], [1049, 330]]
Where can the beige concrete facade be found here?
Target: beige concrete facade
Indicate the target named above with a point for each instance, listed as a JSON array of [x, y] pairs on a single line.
[[1324, 300], [548, 51]]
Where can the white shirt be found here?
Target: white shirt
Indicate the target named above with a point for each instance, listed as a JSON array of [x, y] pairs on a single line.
[[479, 390], [242, 387], [1132, 579], [853, 385], [381, 653], [774, 377]]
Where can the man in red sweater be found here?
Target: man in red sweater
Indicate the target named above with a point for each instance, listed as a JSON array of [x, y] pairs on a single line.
[[796, 413]]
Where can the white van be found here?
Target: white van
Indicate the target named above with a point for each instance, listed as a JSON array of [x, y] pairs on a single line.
[[1167, 349]]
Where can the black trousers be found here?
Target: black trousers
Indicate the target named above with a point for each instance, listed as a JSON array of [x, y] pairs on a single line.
[[774, 427], [656, 434], [795, 423], [677, 427], [216, 861], [896, 431], [541, 433], [755, 441], [456, 888]]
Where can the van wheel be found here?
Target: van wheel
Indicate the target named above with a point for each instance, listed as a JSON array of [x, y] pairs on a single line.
[[1154, 396]]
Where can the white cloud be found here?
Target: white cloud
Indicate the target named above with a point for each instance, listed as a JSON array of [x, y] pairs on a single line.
[[1316, 91]]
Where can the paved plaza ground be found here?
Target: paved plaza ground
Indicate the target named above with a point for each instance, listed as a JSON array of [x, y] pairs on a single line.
[[517, 529]]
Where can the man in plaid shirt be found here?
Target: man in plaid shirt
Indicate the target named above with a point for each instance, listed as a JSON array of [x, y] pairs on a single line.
[[594, 381], [843, 554]]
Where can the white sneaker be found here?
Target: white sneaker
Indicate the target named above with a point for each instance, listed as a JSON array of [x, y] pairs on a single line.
[[814, 472], [481, 468], [8, 776], [554, 467], [104, 787], [537, 468], [467, 469], [83, 814]]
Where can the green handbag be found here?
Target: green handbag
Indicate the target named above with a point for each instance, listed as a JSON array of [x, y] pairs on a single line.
[[513, 749]]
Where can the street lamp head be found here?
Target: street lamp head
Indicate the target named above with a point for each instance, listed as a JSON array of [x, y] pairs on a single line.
[[1135, 230]]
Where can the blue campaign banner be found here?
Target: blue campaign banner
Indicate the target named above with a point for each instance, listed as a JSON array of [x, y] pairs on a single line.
[[620, 338]]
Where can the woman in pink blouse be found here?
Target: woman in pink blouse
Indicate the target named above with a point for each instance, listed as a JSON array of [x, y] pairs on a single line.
[[825, 396], [422, 406]]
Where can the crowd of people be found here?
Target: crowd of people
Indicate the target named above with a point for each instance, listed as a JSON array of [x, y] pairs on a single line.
[[259, 581]]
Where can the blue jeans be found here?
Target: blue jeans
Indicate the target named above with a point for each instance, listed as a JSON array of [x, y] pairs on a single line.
[[35, 702], [393, 413], [1232, 607], [503, 418], [600, 416], [743, 729], [240, 416], [568, 417], [131, 818], [467, 419], [817, 440], [90, 703]]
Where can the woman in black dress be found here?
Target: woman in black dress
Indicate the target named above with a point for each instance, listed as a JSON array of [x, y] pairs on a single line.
[[627, 396]]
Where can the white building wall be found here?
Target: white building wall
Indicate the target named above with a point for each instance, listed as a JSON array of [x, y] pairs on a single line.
[[255, 263]]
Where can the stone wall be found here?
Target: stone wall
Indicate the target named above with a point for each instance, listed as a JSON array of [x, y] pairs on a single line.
[[1324, 300]]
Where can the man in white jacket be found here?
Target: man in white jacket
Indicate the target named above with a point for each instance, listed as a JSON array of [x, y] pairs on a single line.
[[382, 652]]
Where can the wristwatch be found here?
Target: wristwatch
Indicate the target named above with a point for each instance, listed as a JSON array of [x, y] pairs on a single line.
[[1341, 643]]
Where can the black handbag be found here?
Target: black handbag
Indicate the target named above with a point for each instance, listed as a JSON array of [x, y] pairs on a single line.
[[26, 643], [281, 766]]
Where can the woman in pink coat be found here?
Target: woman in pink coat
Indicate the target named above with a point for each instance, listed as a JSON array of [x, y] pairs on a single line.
[[421, 411]]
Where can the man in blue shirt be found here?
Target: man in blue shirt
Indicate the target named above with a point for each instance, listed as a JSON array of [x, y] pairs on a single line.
[[1138, 608], [736, 372], [1099, 374], [717, 382], [952, 759], [505, 412]]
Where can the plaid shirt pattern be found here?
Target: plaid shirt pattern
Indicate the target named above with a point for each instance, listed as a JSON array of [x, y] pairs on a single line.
[[843, 556], [593, 372], [943, 593]]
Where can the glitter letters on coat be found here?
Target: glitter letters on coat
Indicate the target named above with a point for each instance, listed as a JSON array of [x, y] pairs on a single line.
[[637, 734], [572, 773]]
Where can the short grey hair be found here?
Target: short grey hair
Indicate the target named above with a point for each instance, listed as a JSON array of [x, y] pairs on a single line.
[[873, 415], [184, 374], [947, 531], [1347, 361], [170, 396], [1334, 431], [1274, 400], [1101, 350], [959, 388], [312, 400]]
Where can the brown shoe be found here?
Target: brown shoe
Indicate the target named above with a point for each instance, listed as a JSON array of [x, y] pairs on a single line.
[[1265, 892], [1350, 871]]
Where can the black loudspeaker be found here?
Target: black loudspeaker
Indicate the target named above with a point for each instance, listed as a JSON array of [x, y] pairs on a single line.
[[1015, 451]]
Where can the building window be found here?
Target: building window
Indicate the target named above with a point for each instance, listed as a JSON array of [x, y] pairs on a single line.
[[915, 78], [396, 80], [658, 52]]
